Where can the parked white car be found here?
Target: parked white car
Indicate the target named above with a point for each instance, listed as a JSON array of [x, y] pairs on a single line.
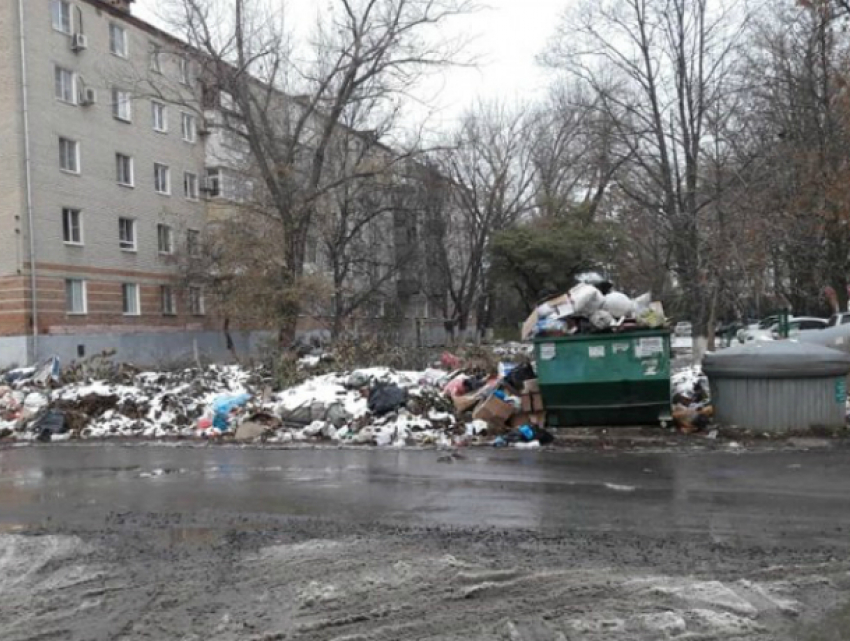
[[683, 328], [795, 326]]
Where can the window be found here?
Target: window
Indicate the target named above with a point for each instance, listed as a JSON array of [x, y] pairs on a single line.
[[168, 303], [124, 170], [227, 101], [130, 297], [65, 85], [75, 296], [72, 226], [193, 242], [161, 178], [122, 105], [189, 127], [190, 185], [117, 40], [196, 301], [160, 117], [69, 155], [60, 12], [165, 239], [184, 71], [311, 251], [156, 57], [213, 182], [127, 234]]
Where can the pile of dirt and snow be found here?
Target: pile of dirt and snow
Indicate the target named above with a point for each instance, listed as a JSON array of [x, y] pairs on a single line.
[[368, 406]]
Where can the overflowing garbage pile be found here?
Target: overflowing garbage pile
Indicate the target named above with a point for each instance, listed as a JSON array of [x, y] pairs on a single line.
[[691, 400], [592, 308], [368, 406]]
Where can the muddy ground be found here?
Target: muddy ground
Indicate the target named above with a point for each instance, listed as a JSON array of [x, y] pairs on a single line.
[[132, 543]]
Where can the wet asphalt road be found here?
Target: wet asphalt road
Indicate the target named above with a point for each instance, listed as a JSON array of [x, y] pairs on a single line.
[[712, 545], [758, 496]]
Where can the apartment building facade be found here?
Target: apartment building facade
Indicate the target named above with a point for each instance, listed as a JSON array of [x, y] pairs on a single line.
[[101, 185], [108, 177]]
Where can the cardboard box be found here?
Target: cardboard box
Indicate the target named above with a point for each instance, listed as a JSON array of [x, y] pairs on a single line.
[[532, 386], [532, 403], [562, 305], [493, 410], [524, 418], [465, 402]]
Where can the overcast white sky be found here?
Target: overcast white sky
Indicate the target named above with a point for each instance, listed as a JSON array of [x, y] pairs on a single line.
[[508, 36]]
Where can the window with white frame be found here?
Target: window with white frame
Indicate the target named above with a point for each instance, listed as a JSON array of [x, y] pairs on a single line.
[[184, 71], [124, 170], [122, 105], [161, 178], [189, 126], [212, 183], [168, 301], [165, 239], [193, 242], [156, 57], [69, 155], [190, 185], [159, 114], [72, 226], [60, 12], [130, 298], [196, 301], [118, 40], [65, 86], [127, 234], [75, 296]]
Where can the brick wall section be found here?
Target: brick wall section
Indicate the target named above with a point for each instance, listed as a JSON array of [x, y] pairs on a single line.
[[105, 304]]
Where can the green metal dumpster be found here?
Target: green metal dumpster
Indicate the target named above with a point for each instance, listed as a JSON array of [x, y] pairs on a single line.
[[605, 379]]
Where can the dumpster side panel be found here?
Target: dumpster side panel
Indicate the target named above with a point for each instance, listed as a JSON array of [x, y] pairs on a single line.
[[779, 405], [605, 379]]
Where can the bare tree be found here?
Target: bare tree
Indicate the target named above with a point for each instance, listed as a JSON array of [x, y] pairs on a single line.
[[659, 70], [800, 104], [290, 107], [489, 164], [576, 153]]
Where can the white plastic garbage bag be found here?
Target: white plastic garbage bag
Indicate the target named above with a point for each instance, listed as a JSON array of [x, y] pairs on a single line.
[[618, 305], [586, 299], [601, 320]]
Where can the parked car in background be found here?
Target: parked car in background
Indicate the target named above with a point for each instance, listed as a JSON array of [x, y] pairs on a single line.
[[796, 325], [683, 328], [839, 319]]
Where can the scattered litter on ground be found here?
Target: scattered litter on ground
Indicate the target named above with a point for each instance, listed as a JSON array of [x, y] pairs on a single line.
[[377, 406]]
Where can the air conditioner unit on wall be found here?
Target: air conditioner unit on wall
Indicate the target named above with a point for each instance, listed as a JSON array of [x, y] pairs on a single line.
[[88, 97], [79, 42]]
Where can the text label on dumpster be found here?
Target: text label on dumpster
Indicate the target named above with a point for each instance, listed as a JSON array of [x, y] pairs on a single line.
[[647, 347]]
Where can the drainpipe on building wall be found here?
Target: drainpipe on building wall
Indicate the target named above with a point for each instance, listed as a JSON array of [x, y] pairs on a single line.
[[28, 180]]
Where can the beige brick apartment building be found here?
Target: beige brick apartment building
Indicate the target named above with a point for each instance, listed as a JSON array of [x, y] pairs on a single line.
[[101, 189], [99, 186]]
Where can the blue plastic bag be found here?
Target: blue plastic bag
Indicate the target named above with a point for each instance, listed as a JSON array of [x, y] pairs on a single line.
[[223, 405]]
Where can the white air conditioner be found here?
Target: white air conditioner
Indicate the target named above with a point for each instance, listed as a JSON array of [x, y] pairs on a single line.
[[88, 97], [79, 41]]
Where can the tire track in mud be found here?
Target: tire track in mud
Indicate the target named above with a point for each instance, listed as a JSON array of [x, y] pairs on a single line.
[[150, 576]]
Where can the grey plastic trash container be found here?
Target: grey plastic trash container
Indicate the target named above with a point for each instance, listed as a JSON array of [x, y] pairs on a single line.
[[779, 386]]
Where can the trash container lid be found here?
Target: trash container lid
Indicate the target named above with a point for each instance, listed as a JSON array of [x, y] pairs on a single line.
[[777, 359]]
